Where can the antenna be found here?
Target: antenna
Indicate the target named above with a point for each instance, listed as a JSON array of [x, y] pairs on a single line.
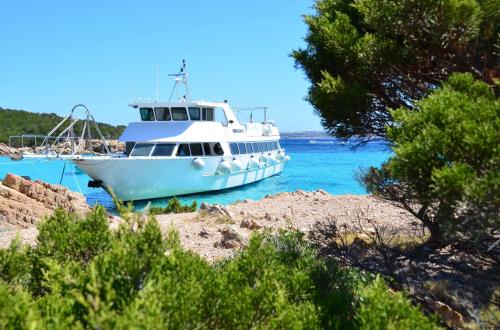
[[181, 77], [156, 82]]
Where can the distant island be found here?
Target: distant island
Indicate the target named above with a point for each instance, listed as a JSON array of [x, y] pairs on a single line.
[[17, 122]]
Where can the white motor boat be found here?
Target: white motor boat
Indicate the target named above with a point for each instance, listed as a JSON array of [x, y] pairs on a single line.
[[186, 147]]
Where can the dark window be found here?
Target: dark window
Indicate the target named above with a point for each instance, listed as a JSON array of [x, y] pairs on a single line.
[[128, 147], [163, 150], [218, 149], [249, 148], [196, 149], [183, 150], [147, 114], [206, 148], [194, 113], [243, 149], [255, 146], [269, 146], [234, 148], [162, 114], [277, 145], [208, 114], [179, 114], [142, 149]]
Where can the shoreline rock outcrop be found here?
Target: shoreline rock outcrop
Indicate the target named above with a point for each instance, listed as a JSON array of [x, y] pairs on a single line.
[[24, 202]]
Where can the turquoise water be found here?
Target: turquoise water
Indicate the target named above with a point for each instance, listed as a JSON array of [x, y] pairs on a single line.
[[316, 164]]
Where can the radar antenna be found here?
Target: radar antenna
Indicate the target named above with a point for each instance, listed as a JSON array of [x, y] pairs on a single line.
[[180, 78]]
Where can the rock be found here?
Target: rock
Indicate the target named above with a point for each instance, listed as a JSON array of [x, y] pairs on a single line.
[[216, 209], [230, 239], [268, 217], [251, 224], [452, 318], [204, 233], [24, 202]]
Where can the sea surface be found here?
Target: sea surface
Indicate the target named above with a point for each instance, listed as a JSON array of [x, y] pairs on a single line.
[[324, 163]]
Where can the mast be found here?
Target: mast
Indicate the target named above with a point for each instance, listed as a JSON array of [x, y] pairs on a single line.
[[181, 78]]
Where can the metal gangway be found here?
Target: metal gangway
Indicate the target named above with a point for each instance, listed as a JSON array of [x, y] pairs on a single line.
[[62, 142]]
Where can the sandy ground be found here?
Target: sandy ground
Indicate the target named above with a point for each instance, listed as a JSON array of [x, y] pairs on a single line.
[[202, 231]]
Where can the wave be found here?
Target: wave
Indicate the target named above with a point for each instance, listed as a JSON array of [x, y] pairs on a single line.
[[328, 142]]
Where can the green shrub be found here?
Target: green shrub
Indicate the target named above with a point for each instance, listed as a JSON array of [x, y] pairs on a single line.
[[445, 167], [381, 309], [173, 206], [135, 277]]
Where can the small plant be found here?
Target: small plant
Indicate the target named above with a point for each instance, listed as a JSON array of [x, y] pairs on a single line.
[[173, 206]]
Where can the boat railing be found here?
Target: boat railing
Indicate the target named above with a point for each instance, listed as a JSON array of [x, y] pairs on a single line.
[[62, 140]]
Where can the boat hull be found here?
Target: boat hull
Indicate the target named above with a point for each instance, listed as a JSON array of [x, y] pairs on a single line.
[[136, 178]]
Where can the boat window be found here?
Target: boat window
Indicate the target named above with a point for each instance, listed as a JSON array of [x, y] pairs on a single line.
[[162, 114], [220, 116], [147, 114], [276, 145], [128, 147], [218, 149], [255, 146], [163, 150], [243, 149], [179, 114], [234, 148], [206, 148], [142, 149], [269, 146], [196, 149], [183, 150], [261, 147], [208, 114], [249, 148], [194, 113]]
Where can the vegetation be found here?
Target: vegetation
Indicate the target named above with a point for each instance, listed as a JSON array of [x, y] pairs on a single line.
[[82, 275], [18, 122], [364, 57], [446, 161], [173, 206]]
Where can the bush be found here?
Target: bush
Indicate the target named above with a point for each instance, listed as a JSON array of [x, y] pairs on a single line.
[[173, 206], [445, 167], [136, 278]]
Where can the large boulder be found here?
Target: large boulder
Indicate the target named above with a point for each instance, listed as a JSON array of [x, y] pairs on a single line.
[[24, 202]]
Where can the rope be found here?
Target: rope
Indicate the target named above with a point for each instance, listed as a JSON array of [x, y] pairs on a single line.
[[76, 180], [62, 174]]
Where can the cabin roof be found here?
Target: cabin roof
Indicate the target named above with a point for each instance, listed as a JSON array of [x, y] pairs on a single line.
[[199, 103]]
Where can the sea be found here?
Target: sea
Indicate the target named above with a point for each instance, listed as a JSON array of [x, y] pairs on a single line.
[[316, 163]]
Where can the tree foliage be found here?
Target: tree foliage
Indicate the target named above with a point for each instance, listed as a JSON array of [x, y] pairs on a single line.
[[135, 278], [18, 122], [446, 167], [364, 57]]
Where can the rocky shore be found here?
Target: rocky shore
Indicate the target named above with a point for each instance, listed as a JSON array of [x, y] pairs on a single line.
[[23, 203], [65, 148], [213, 231]]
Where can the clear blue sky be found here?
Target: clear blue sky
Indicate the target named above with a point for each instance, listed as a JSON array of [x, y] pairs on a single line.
[[55, 54]]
